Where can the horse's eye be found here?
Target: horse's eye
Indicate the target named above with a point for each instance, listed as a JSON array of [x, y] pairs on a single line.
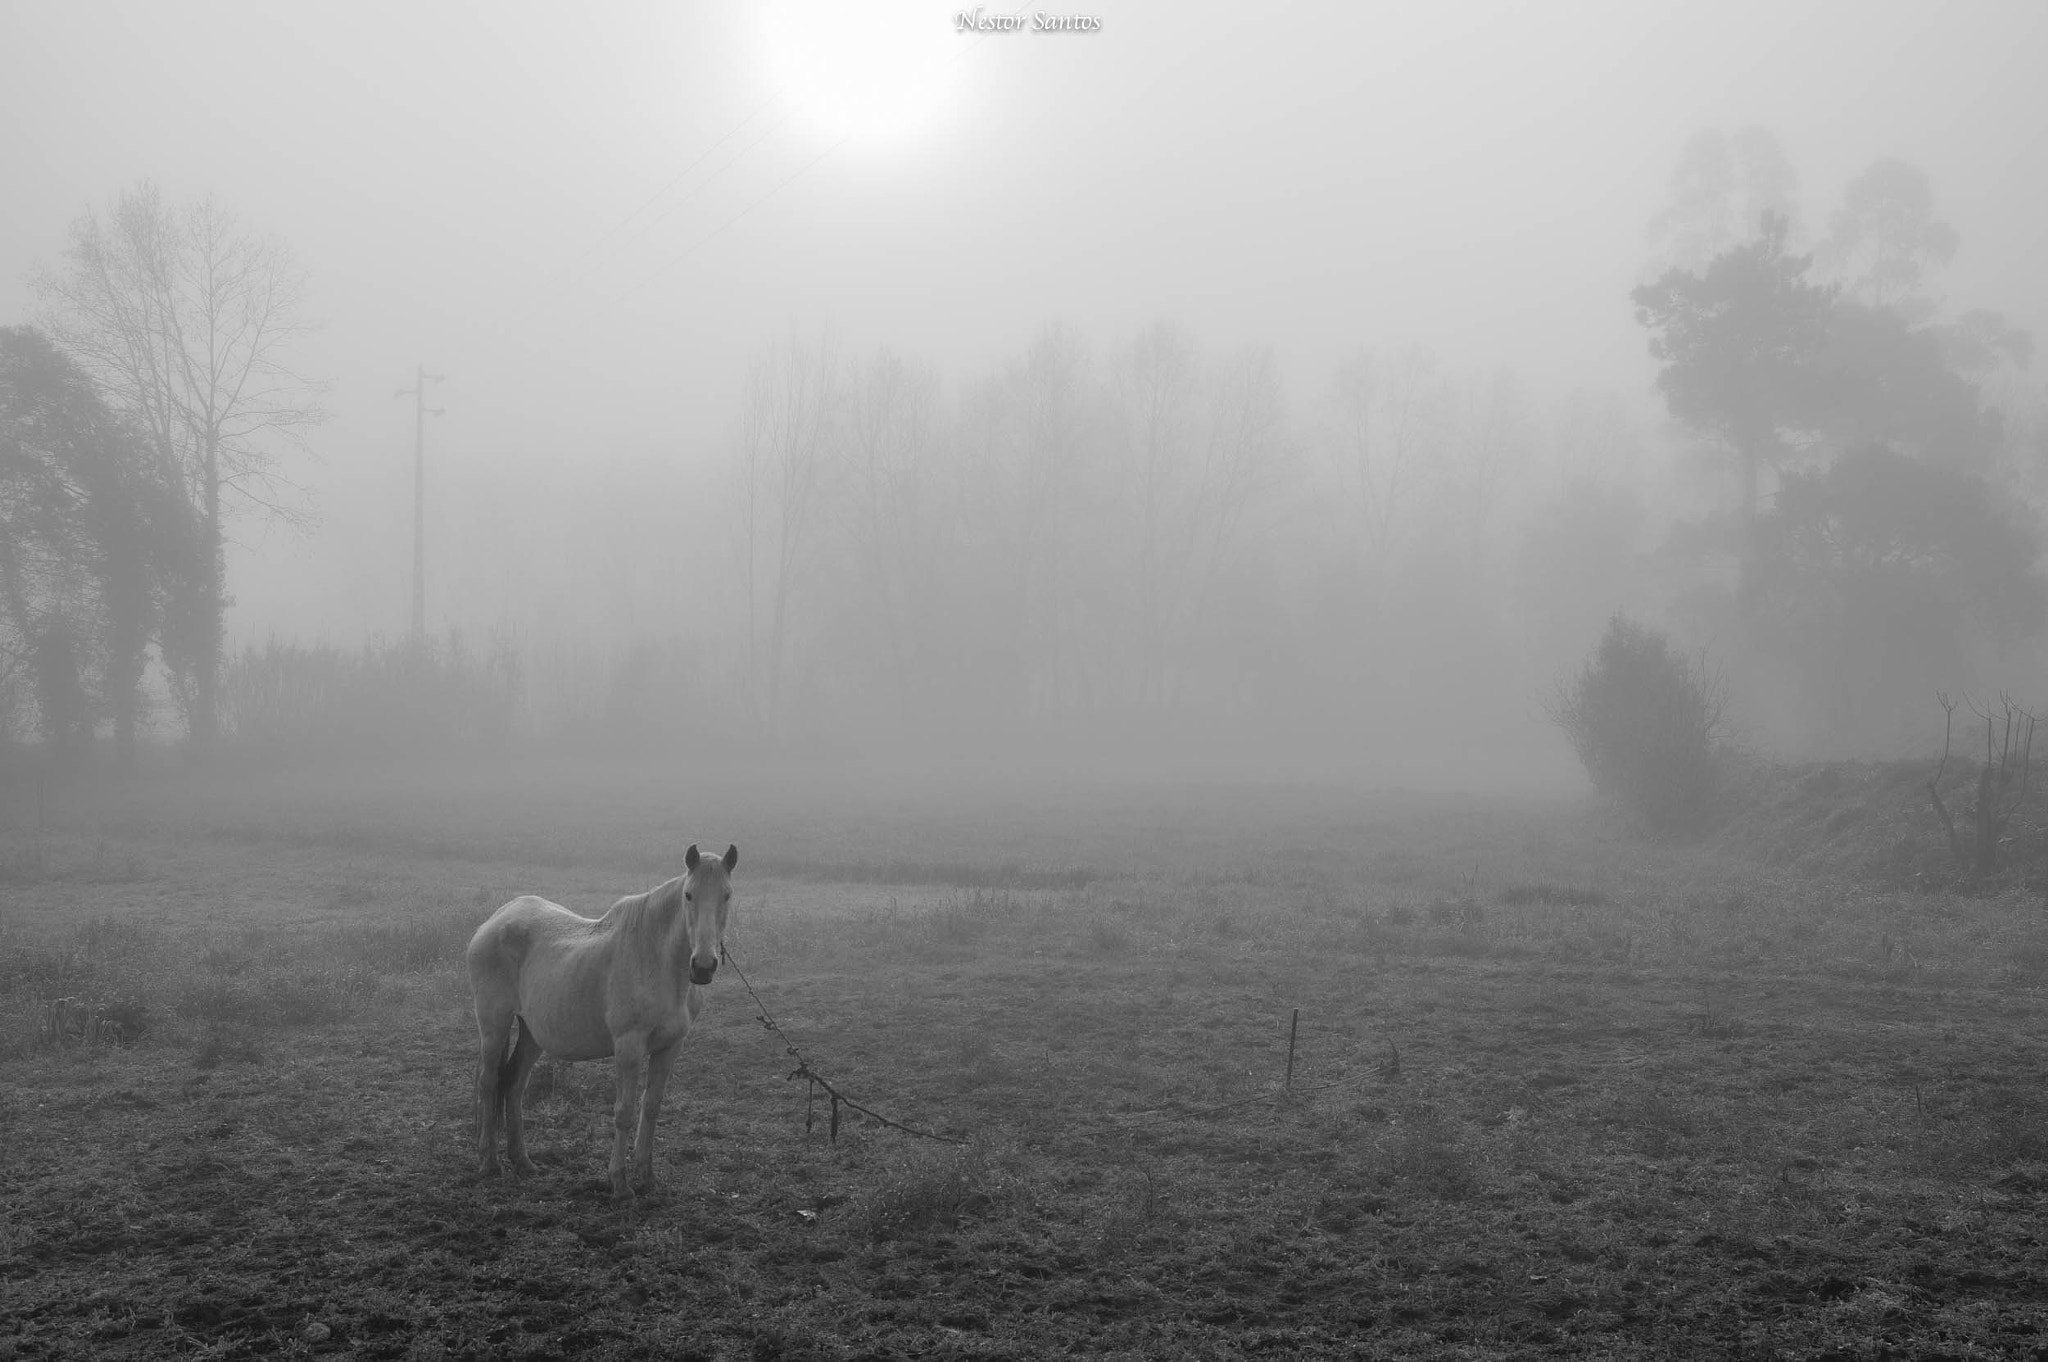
[[688, 897]]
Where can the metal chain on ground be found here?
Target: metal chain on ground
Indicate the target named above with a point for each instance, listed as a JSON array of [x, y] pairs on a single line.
[[816, 1080]]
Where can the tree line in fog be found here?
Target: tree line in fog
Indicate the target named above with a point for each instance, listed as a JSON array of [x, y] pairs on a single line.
[[1131, 543], [143, 411], [1149, 538]]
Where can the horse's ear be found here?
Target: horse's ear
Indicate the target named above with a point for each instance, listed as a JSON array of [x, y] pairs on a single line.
[[732, 858], [690, 857]]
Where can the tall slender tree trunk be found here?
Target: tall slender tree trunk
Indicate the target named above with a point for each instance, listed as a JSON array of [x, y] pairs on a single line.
[[206, 710], [776, 627], [126, 659], [124, 731], [1747, 592], [1751, 459], [127, 591]]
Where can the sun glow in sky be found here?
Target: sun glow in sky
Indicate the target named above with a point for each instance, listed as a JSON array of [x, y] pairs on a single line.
[[874, 75]]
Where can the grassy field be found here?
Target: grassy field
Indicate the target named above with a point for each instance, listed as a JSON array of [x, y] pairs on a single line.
[[1555, 1092]]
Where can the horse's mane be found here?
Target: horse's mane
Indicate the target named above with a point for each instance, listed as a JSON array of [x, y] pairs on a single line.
[[654, 902]]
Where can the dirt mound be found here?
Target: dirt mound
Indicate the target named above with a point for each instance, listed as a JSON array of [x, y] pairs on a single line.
[[1874, 822]]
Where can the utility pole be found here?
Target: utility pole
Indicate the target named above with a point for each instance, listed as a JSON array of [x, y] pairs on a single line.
[[421, 411]]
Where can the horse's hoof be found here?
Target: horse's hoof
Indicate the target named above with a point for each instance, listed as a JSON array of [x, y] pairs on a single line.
[[489, 1170], [524, 1168]]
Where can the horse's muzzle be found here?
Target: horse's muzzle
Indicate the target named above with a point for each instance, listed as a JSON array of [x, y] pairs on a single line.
[[701, 974]]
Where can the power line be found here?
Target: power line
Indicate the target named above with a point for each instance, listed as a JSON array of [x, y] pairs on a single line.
[[740, 155], [611, 234], [704, 240]]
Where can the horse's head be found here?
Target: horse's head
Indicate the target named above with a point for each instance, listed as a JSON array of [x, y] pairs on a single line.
[[707, 901]]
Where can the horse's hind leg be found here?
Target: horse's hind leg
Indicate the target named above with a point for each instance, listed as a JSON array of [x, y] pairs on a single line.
[[492, 1035], [512, 1086]]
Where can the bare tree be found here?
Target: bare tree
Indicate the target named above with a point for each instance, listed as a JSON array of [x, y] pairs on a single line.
[[186, 319], [1349, 432], [1592, 440], [889, 439], [1159, 384], [1493, 441], [1721, 185], [1885, 239], [2008, 756], [786, 419], [1031, 433], [1385, 427], [1247, 455]]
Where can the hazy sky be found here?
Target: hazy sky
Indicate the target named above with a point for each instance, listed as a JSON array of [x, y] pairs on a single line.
[[461, 179]]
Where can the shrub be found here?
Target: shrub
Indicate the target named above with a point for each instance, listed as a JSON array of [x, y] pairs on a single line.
[[1645, 723], [290, 700]]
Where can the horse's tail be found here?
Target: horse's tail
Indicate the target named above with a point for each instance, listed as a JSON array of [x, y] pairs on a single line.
[[520, 1039]]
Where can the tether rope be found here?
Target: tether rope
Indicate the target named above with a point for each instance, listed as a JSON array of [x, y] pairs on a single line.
[[1389, 1068], [816, 1080]]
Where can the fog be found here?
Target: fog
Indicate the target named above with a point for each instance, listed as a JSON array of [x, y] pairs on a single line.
[[637, 240]]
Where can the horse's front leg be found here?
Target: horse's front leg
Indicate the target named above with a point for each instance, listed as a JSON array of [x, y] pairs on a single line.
[[631, 1051], [659, 1062]]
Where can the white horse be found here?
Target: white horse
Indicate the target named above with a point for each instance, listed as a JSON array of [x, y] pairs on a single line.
[[627, 984]]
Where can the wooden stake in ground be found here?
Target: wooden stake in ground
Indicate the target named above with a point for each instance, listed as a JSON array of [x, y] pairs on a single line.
[[1292, 1023]]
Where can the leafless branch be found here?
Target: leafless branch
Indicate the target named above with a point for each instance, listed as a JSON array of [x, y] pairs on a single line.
[[1955, 841]]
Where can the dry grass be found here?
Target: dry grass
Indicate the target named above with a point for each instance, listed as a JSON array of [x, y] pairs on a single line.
[[1553, 1093]]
